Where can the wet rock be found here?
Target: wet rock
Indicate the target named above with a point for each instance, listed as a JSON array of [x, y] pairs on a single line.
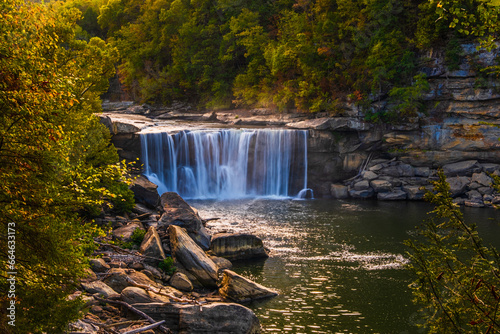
[[151, 245], [145, 192], [178, 212], [124, 233], [119, 279], [239, 246], [339, 191], [99, 265], [100, 288], [192, 257], [181, 282], [241, 289], [462, 168], [394, 195]]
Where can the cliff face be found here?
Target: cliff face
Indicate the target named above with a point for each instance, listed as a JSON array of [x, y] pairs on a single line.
[[463, 123]]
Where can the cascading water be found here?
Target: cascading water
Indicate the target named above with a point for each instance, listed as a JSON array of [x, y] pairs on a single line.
[[228, 164]]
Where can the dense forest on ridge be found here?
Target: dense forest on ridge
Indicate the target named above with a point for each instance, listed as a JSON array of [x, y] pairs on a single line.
[[308, 55]]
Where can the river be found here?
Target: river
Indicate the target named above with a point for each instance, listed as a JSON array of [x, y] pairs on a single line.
[[338, 265]]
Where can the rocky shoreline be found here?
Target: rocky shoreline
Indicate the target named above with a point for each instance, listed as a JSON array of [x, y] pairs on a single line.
[[470, 182], [159, 270]]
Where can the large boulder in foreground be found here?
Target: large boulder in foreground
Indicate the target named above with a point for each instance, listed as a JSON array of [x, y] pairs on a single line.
[[241, 289], [240, 246], [145, 192], [192, 257], [208, 318], [178, 212]]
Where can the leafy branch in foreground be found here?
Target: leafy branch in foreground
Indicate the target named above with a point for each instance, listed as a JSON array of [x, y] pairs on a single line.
[[458, 278]]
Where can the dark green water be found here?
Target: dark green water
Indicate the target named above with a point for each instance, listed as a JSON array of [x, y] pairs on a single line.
[[337, 265]]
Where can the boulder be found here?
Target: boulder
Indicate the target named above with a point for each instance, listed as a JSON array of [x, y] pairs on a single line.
[[394, 195], [145, 192], [181, 282], [339, 191], [362, 194], [178, 212], [482, 179], [209, 318], [118, 279], [241, 289], [239, 246], [124, 233], [381, 186], [151, 244], [458, 185], [462, 168], [414, 193], [485, 190], [369, 175], [192, 257], [100, 288], [99, 265], [133, 295], [362, 185], [221, 262]]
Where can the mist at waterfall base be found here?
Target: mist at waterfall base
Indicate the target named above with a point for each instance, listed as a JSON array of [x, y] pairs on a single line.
[[228, 163], [338, 266]]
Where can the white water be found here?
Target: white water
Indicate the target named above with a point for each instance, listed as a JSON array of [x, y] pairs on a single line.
[[228, 164]]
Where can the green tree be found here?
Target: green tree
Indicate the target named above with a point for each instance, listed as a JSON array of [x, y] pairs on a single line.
[[457, 277], [55, 159]]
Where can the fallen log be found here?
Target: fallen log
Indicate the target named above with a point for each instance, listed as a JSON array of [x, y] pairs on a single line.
[[136, 311], [142, 329]]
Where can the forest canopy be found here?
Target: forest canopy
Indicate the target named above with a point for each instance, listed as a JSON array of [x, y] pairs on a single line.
[[308, 55], [57, 166]]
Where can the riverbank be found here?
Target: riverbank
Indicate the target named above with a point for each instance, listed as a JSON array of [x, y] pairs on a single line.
[[160, 265]]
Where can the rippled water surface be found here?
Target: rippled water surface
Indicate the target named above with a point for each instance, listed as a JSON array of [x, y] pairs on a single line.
[[337, 265]]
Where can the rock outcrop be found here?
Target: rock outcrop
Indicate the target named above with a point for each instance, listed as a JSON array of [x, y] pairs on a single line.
[[393, 180]]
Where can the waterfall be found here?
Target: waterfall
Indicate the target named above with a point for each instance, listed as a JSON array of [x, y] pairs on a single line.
[[227, 164]]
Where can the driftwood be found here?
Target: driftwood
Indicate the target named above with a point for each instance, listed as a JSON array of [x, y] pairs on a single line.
[[136, 311], [142, 329], [121, 250], [209, 219], [103, 326], [159, 292]]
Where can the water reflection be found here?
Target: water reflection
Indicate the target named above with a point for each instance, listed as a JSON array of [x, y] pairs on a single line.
[[336, 264]]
